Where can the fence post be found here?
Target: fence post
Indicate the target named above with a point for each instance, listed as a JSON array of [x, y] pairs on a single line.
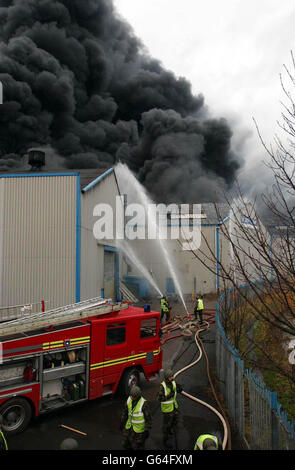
[[236, 389], [217, 351], [274, 422]]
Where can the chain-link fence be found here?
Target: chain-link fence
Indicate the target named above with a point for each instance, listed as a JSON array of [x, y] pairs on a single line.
[[254, 410]]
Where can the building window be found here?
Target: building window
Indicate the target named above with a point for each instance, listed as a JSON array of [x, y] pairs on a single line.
[[116, 334], [170, 287], [148, 328]]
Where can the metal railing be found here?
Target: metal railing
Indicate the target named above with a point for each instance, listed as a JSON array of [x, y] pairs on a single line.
[[21, 311], [254, 410]]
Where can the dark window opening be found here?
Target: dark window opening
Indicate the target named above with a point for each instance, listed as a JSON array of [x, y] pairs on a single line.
[[148, 328], [116, 334]]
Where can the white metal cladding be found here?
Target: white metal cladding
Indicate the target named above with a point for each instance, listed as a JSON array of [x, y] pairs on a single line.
[[38, 254], [92, 250]]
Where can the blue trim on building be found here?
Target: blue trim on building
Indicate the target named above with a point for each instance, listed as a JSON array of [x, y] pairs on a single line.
[[97, 180], [37, 175], [111, 248], [78, 239], [116, 251], [224, 220]]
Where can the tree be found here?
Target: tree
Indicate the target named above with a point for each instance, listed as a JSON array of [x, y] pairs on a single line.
[[261, 267]]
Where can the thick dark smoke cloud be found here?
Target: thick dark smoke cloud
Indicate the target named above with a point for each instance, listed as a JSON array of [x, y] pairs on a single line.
[[76, 79], [185, 156]]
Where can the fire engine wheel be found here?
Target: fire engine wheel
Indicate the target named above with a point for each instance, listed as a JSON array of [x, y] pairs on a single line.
[[16, 415], [130, 378]]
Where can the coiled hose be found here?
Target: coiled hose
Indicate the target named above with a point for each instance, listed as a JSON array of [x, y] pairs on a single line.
[[187, 330]]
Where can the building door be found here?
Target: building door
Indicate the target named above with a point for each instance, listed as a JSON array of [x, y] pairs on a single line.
[[110, 275]]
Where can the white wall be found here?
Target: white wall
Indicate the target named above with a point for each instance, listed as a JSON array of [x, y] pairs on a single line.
[[37, 240], [92, 250], [187, 266]]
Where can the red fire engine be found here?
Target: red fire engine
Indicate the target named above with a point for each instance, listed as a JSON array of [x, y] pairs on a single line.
[[52, 361]]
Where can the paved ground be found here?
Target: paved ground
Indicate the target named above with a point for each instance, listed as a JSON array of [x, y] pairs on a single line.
[[100, 418]]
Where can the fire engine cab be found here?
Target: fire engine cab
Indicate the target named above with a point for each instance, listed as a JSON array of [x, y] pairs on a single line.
[[67, 356]]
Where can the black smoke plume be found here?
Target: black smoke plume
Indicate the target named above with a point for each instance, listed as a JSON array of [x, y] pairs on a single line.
[[76, 79]]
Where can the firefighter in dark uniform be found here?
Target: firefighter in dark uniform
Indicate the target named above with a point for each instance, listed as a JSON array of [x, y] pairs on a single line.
[[136, 421], [3, 442], [69, 444], [169, 406]]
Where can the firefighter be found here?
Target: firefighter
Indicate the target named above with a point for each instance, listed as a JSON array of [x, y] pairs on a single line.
[[3, 442], [164, 309], [207, 442], [136, 421], [169, 406], [69, 444], [199, 307]]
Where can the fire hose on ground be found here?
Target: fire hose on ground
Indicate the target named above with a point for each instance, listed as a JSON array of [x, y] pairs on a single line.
[[188, 329]]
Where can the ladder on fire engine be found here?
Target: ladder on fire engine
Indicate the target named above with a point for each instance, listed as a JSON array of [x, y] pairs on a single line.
[[61, 315]]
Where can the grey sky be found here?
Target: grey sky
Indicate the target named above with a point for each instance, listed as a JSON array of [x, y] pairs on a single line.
[[232, 51]]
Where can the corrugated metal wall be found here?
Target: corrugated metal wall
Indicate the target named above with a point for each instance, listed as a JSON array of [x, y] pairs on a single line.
[[38, 240], [92, 250]]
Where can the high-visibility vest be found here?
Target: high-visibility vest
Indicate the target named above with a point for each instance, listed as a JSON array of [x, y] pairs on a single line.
[[4, 440], [169, 405], [135, 416], [200, 441], [200, 304], [164, 305]]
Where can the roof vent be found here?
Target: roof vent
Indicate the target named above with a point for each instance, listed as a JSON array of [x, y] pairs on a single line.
[[36, 159]]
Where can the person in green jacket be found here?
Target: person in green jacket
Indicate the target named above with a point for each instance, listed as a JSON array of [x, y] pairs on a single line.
[[199, 307], [165, 309], [3, 442], [169, 406], [207, 442], [136, 421]]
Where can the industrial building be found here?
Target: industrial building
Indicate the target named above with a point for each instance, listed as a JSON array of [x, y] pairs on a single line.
[[191, 273], [215, 250], [47, 248]]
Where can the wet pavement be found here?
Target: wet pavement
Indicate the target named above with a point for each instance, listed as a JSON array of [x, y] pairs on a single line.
[[100, 418]]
